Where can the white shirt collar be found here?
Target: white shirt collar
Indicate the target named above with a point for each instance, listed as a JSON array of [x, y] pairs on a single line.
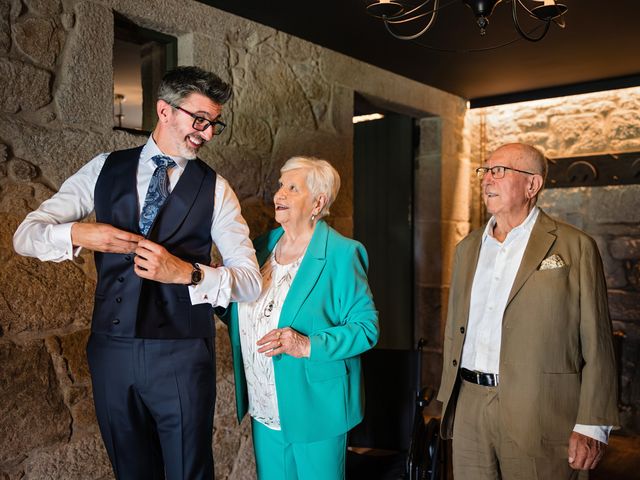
[[525, 226], [151, 149]]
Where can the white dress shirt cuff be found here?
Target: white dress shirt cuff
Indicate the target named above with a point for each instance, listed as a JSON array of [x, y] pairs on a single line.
[[60, 240], [213, 289], [599, 432]]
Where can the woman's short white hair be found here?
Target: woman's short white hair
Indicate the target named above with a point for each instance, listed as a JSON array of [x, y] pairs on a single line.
[[321, 178]]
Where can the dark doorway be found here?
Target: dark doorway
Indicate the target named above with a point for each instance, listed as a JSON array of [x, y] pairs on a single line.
[[383, 217]]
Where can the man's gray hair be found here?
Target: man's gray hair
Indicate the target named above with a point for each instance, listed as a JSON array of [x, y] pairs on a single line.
[[321, 178], [180, 82]]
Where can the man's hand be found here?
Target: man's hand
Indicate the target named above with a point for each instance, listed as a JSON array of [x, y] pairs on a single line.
[[584, 452], [101, 237], [154, 262], [285, 340]]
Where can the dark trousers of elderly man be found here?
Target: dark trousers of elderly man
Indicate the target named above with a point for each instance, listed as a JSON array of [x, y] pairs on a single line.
[[529, 380]]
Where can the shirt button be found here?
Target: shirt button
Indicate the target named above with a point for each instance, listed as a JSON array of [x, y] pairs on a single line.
[[455, 363], [116, 321], [127, 258], [461, 329], [118, 299]]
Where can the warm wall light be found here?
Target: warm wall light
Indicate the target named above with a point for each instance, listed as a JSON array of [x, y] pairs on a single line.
[[400, 11], [367, 118]]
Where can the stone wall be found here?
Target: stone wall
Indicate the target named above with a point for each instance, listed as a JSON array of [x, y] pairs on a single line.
[[598, 123], [291, 97]]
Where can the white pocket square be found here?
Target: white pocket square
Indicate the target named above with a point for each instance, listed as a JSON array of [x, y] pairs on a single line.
[[554, 261]]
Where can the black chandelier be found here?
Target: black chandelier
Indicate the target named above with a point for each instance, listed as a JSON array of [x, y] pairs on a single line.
[[396, 12]]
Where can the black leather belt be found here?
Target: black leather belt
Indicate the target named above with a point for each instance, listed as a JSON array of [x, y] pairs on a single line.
[[479, 378]]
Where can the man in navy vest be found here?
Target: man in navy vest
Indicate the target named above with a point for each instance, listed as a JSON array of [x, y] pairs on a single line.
[[159, 209]]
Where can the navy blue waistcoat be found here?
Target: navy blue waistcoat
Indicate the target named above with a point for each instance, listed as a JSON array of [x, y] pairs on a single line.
[[126, 305]]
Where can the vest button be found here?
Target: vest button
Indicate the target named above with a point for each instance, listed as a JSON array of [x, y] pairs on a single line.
[[127, 258], [121, 279], [116, 321], [455, 363], [461, 329], [118, 299]]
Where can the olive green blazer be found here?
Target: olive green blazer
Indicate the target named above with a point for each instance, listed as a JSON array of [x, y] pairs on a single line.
[[330, 302], [557, 364]]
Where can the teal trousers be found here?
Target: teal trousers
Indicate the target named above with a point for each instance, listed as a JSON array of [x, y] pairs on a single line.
[[277, 459]]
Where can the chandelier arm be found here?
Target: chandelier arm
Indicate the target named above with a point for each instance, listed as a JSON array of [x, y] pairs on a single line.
[[522, 33], [416, 35], [392, 20], [406, 14], [526, 9], [398, 18]]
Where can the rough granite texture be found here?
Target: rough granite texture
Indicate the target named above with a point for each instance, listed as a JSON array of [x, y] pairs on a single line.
[[56, 106]]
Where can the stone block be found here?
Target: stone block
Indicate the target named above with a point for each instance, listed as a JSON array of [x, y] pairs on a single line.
[[578, 134], [259, 216], [251, 132], [341, 109], [59, 153], [428, 253], [73, 350], [614, 204], [600, 105], [44, 7], [30, 401], [5, 26], [430, 136], [624, 125], [85, 92], [39, 39], [82, 459], [22, 171], [633, 274], [40, 296], [536, 123], [614, 271], [23, 86], [428, 184], [624, 305], [452, 234], [625, 248], [266, 87], [456, 189]]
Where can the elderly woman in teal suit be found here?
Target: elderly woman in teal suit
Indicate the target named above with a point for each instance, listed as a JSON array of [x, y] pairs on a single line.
[[296, 348]]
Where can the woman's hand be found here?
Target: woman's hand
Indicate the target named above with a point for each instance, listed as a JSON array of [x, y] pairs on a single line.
[[284, 340]]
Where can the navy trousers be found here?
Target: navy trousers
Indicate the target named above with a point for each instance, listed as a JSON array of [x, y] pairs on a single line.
[[154, 401]]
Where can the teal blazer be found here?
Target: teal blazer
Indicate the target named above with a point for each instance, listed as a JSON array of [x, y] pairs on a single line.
[[330, 302]]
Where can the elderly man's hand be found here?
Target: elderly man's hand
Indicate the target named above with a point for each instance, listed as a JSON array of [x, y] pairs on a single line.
[[584, 452], [154, 262], [102, 237], [284, 340]]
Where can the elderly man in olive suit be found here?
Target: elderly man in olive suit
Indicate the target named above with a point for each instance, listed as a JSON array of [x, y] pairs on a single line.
[[529, 379]]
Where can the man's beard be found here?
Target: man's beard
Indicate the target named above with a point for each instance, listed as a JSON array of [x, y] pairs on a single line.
[[186, 150]]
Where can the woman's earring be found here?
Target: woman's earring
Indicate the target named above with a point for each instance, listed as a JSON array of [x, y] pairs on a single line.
[[313, 217]]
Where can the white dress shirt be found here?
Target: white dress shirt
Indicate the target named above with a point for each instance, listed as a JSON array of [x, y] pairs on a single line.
[[498, 265], [255, 320], [46, 232]]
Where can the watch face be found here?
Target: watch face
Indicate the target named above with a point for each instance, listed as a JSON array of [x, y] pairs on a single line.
[[196, 276]]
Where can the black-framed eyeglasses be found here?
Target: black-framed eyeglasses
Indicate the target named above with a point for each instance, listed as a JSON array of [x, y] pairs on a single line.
[[498, 171], [201, 123]]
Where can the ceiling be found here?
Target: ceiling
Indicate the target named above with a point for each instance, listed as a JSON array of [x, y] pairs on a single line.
[[598, 50]]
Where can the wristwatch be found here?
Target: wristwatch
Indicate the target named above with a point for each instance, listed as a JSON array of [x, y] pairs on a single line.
[[196, 274]]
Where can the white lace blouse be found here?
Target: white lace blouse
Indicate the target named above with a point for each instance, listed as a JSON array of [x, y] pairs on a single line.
[[255, 320]]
